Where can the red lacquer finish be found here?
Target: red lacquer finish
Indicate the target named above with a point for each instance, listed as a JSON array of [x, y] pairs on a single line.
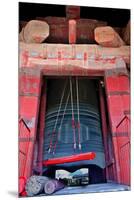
[[29, 97], [118, 98], [72, 31], [22, 182], [41, 128], [68, 159]]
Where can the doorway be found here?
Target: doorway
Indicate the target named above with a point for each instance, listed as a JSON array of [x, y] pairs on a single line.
[[59, 139]]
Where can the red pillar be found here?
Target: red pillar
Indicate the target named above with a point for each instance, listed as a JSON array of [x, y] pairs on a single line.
[[41, 129], [104, 124], [118, 98], [72, 31], [29, 98]]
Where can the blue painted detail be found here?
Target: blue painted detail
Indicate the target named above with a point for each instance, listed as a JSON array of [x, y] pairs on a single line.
[[34, 54], [79, 56]]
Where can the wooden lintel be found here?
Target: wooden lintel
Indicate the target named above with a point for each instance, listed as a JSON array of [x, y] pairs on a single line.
[[75, 52]]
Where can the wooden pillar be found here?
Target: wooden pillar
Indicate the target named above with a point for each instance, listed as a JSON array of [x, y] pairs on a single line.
[[118, 98], [29, 98], [41, 129], [104, 124], [72, 31]]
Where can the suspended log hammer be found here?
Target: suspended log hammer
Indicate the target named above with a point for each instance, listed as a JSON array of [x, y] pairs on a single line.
[[35, 31], [35, 185]]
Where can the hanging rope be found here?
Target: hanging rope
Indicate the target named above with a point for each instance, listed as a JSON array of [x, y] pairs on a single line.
[[61, 123], [55, 125], [78, 125], [73, 121]]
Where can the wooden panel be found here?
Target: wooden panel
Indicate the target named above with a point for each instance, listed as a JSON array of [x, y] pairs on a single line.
[[59, 29], [29, 98], [118, 91], [24, 140], [123, 139], [24, 136], [72, 53], [125, 163]]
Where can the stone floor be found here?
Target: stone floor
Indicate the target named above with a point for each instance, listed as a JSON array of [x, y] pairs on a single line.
[[104, 187]]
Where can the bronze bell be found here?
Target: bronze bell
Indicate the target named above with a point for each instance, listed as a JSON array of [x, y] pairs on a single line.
[[59, 141]]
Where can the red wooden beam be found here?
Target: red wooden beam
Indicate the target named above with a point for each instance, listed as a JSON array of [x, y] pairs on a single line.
[[107, 37], [73, 12], [59, 29], [72, 31], [72, 52], [68, 159]]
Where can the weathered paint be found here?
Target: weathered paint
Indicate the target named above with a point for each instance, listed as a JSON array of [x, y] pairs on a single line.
[[72, 52], [59, 29], [24, 135], [117, 88], [28, 85], [28, 110], [41, 128], [108, 37], [118, 98]]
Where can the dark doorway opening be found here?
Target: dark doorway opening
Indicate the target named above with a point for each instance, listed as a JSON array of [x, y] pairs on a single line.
[[91, 131]]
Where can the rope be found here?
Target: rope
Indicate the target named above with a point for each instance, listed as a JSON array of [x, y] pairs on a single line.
[[55, 125], [61, 123], [78, 125], [73, 122]]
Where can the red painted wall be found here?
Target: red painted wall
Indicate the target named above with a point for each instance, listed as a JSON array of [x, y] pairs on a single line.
[[29, 98], [118, 94], [118, 98]]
